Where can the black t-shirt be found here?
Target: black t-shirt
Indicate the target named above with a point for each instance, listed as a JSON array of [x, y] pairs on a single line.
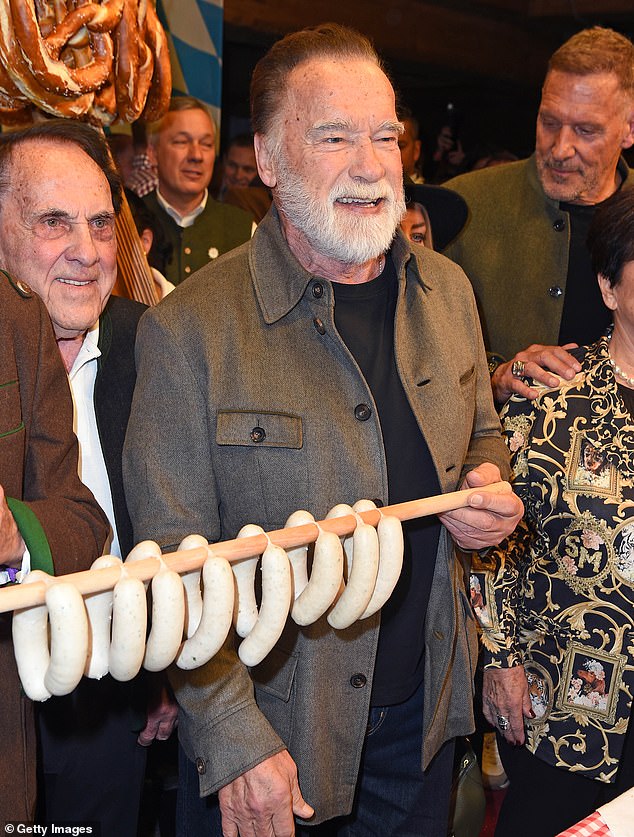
[[364, 316], [584, 317]]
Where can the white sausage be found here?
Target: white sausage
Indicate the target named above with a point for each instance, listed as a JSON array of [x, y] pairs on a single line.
[[363, 569], [191, 583], [216, 618], [326, 576], [69, 637], [144, 549], [343, 510], [99, 610], [391, 546], [276, 602], [168, 619], [299, 555], [129, 623], [30, 643], [246, 607]]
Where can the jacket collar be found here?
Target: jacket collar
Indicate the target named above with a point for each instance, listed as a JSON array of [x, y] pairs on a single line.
[[535, 183], [279, 279]]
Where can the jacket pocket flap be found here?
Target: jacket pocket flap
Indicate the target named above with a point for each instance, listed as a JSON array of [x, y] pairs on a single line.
[[269, 430]]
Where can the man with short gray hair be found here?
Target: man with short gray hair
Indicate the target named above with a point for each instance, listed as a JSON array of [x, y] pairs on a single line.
[[523, 247], [324, 361]]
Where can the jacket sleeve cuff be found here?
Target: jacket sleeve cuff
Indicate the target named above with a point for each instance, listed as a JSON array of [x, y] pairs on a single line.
[[33, 535], [227, 749]]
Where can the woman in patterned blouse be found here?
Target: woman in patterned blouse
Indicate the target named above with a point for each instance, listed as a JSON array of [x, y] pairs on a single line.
[[559, 598]]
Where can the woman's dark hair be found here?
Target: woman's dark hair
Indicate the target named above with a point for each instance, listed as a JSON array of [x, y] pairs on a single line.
[[89, 139], [611, 236]]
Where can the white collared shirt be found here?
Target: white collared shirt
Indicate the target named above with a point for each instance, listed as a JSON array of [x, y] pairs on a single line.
[[182, 220], [92, 466]]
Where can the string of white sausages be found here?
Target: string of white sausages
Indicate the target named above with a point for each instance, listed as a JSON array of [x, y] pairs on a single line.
[[349, 572]]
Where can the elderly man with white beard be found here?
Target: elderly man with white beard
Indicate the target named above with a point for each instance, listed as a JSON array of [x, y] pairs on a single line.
[[326, 360]]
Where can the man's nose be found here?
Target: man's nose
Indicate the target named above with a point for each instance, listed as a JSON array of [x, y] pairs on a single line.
[[82, 245], [563, 145], [194, 151], [366, 163]]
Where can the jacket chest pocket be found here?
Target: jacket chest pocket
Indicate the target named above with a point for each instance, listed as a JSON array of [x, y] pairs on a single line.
[[10, 409], [262, 462]]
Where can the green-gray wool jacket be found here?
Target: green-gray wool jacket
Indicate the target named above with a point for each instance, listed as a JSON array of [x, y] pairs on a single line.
[[251, 344], [514, 249]]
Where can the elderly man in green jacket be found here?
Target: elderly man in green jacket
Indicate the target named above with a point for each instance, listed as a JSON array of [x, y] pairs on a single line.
[[523, 247]]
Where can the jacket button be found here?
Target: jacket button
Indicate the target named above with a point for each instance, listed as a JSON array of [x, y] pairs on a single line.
[[258, 435], [201, 766], [321, 328], [358, 681], [188, 250], [559, 225], [318, 290], [362, 412], [555, 291], [188, 269]]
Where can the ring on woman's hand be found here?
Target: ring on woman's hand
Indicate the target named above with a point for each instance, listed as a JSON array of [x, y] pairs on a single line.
[[517, 369], [503, 723]]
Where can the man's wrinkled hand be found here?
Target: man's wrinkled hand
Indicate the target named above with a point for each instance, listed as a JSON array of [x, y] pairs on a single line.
[[264, 801], [505, 699], [162, 715], [489, 517], [541, 363]]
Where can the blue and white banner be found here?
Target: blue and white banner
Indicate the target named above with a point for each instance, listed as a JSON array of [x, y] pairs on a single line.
[[194, 31]]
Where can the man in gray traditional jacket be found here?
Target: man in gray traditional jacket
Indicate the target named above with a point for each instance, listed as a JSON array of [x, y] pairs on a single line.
[[326, 360], [524, 245]]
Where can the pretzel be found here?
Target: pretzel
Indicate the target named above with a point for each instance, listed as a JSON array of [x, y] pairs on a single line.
[[135, 62], [100, 61], [161, 88], [15, 108], [16, 66]]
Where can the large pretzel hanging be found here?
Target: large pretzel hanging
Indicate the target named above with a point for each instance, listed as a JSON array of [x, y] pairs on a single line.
[[103, 61], [97, 619]]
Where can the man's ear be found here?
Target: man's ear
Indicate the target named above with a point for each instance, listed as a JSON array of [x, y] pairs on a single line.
[[607, 292], [264, 159], [628, 140]]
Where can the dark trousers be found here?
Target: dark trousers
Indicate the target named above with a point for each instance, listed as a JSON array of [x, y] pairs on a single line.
[[543, 800], [394, 798], [91, 767]]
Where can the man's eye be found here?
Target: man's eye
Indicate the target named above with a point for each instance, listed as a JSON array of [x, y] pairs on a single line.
[[103, 228], [549, 124], [50, 228], [333, 140]]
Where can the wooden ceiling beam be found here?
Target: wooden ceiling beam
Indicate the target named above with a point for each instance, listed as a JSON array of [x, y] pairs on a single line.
[[413, 31], [558, 8]]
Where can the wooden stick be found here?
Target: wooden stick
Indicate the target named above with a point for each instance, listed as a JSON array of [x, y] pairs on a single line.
[[93, 581]]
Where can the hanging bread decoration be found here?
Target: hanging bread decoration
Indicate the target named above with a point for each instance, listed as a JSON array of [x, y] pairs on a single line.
[[104, 61]]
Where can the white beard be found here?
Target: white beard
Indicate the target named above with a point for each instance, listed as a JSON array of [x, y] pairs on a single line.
[[340, 234]]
